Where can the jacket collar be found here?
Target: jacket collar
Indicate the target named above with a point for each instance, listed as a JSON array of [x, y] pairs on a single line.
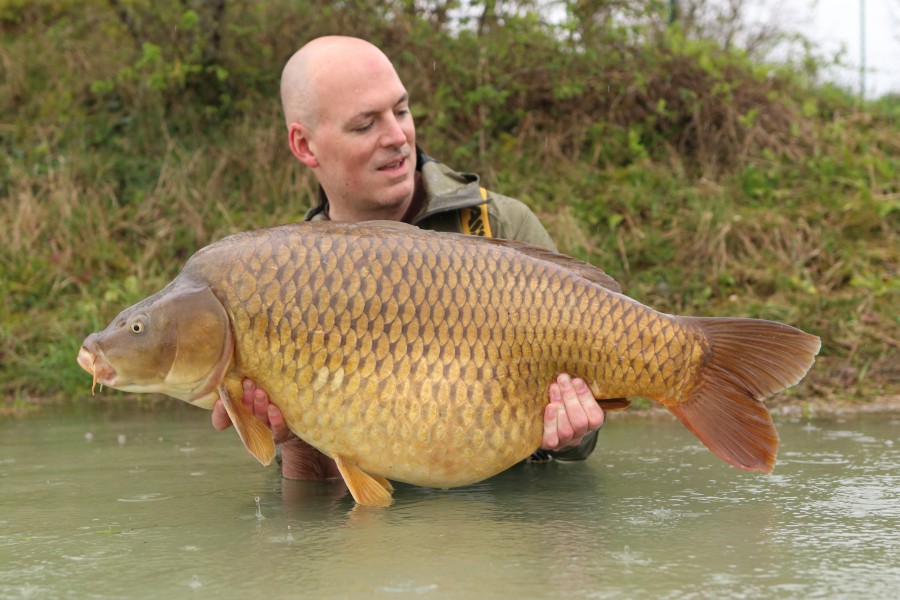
[[445, 190]]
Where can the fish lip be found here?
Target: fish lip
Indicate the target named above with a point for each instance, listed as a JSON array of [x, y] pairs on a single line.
[[95, 363], [86, 360]]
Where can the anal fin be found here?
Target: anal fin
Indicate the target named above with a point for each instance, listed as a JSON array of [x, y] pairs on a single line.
[[368, 490], [614, 403], [257, 438]]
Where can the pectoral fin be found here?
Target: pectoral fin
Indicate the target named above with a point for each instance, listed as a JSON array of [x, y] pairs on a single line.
[[257, 437], [368, 490], [384, 483]]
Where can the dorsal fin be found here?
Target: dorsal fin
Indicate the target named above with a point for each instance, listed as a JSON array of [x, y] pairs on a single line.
[[399, 226], [585, 270]]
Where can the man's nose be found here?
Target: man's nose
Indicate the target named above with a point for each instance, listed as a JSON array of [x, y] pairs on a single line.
[[394, 135]]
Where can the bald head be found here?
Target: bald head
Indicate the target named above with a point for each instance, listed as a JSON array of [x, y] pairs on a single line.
[[348, 119], [321, 66]]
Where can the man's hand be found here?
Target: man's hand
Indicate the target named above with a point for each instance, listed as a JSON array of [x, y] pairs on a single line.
[[572, 413], [257, 401]]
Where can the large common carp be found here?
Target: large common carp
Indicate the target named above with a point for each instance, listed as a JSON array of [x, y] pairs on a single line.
[[425, 357]]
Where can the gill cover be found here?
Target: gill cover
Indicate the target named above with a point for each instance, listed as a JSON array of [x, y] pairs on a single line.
[[204, 344], [177, 342]]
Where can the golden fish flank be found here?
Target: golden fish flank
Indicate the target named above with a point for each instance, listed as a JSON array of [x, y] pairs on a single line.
[[426, 357]]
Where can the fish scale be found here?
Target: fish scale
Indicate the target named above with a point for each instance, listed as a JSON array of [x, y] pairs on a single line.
[[426, 357]]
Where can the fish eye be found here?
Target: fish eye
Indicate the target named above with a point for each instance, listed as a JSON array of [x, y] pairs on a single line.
[[137, 327]]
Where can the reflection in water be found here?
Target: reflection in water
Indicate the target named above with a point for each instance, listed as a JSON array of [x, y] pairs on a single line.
[[138, 507]]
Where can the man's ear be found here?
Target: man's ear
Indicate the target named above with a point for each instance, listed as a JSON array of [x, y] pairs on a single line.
[[300, 145]]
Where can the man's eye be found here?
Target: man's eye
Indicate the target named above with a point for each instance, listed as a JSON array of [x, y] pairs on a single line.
[[363, 128]]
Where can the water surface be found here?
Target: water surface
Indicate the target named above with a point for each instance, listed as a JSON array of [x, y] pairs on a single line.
[[145, 500]]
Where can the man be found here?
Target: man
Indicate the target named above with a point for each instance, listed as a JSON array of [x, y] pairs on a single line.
[[348, 120]]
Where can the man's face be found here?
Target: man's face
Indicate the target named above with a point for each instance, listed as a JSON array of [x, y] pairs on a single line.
[[364, 140]]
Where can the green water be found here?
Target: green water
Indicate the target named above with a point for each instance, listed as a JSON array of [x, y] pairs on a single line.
[[148, 501]]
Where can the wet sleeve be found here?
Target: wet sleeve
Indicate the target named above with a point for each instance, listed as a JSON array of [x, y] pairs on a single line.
[[579, 452]]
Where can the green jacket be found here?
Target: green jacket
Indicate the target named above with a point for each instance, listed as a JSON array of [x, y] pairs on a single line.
[[452, 197], [448, 193]]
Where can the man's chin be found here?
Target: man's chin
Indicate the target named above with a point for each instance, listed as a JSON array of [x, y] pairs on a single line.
[[399, 194]]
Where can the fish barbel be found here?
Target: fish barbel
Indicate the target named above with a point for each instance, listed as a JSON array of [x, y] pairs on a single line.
[[425, 357]]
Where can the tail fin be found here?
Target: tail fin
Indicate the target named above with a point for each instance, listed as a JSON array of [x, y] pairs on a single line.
[[748, 360]]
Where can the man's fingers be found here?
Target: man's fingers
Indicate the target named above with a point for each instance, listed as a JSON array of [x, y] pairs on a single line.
[[589, 404], [249, 387], [571, 414], [261, 405], [564, 428], [279, 428], [575, 411], [550, 439], [557, 428], [220, 418], [257, 401]]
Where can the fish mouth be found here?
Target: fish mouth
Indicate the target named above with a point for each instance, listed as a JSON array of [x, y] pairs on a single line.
[[94, 363]]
